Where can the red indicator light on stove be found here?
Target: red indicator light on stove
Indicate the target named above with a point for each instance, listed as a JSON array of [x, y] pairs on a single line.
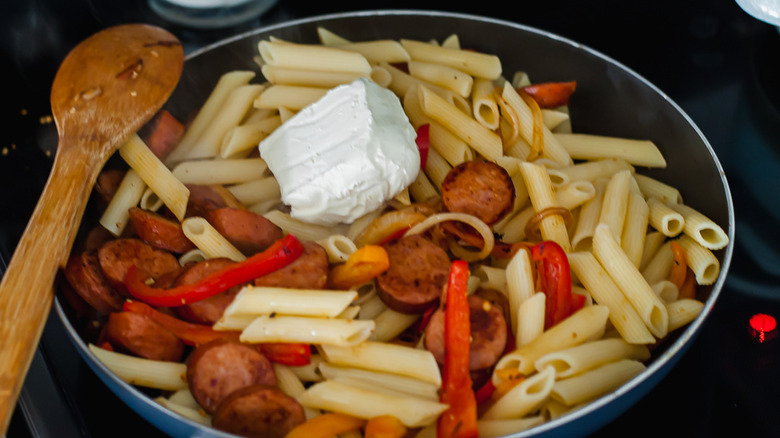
[[763, 325]]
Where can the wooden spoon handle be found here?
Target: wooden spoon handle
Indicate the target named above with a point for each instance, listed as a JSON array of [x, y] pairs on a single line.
[[26, 291]]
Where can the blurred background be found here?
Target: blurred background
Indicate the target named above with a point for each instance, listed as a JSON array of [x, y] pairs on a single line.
[[720, 64]]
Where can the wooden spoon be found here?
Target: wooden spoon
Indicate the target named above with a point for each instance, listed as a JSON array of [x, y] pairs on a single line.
[[105, 90]]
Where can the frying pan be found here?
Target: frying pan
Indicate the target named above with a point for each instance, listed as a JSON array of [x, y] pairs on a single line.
[[610, 99]]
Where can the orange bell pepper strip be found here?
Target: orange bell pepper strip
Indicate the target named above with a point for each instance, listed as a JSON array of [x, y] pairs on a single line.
[[280, 254], [679, 264], [460, 419], [326, 426], [688, 288], [385, 426], [362, 266], [551, 94]]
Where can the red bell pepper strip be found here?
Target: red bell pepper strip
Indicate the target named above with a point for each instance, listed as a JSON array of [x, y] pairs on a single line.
[[287, 353], [555, 278], [189, 333], [460, 419], [551, 94], [277, 256], [577, 302], [485, 392], [423, 143]]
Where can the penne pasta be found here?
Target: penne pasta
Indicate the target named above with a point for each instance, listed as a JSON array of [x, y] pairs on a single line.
[[291, 97], [682, 312], [389, 358], [595, 383], [219, 94], [652, 188], [257, 300], [630, 281], [443, 76], [523, 398], [390, 324], [552, 148], [574, 330], [477, 64], [364, 403], [200, 232], [156, 175], [615, 203], [701, 228], [233, 110], [296, 329], [483, 103], [663, 218], [264, 188], [605, 292], [220, 171], [374, 379], [169, 376], [635, 228], [309, 78], [483, 140], [540, 191], [577, 360], [701, 260], [530, 319], [589, 147], [129, 193], [312, 57]]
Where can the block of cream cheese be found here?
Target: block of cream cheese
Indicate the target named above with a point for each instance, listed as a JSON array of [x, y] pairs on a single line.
[[344, 155]]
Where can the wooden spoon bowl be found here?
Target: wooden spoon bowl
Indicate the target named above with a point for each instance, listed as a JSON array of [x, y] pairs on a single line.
[[105, 90]]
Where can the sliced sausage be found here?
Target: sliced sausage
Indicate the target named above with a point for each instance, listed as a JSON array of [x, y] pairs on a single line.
[[248, 231], [159, 231], [116, 257], [107, 183], [309, 271], [258, 411], [204, 198], [416, 276], [96, 237], [142, 336], [219, 367], [488, 334], [162, 133], [84, 274], [479, 188], [209, 310]]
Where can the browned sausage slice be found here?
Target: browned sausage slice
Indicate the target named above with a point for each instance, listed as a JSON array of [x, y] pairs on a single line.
[[258, 411], [162, 133], [204, 198], [248, 231], [159, 231], [107, 183], [309, 271], [116, 257], [488, 334], [417, 274], [209, 310], [479, 188], [142, 336], [84, 274], [219, 367]]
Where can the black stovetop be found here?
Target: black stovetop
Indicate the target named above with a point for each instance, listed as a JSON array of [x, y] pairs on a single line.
[[718, 63]]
